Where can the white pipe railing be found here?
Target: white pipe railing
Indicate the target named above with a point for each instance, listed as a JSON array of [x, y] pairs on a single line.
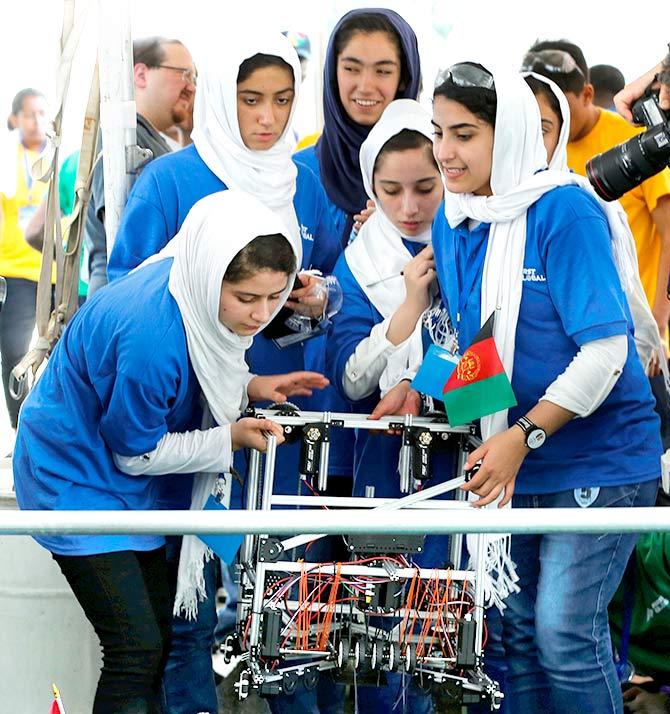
[[469, 520]]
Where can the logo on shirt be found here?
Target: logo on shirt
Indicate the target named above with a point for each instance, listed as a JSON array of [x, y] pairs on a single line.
[[305, 234], [469, 367], [531, 275]]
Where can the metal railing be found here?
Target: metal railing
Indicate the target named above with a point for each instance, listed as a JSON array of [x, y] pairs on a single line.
[[284, 522]]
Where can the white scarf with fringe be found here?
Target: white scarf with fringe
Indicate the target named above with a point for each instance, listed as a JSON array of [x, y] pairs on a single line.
[[215, 230]]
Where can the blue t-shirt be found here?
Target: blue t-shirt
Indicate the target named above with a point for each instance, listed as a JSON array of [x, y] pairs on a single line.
[[571, 295], [157, 206], [168, 188], [119, 380], [307, 157]]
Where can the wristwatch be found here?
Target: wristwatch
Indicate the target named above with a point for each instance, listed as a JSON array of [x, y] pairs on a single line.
[[535, 435]]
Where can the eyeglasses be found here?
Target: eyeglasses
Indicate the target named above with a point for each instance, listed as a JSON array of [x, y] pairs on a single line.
[[550, 60], [465, 75], [188, 75]]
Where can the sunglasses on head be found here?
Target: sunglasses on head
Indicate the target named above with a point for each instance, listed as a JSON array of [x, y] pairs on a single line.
[[465, 75], [557, 61]]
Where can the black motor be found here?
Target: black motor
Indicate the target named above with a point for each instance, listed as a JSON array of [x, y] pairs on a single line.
[[620, 169]]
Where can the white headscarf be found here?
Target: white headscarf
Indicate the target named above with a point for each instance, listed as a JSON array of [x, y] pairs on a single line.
[[378, 251], [647, 337], [268, 175], [213, 233]]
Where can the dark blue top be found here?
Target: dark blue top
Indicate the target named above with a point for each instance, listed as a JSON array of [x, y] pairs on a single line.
[[119, 379], [571, 295]]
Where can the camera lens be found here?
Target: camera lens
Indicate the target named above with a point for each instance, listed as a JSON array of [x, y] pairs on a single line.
[[627, 165]]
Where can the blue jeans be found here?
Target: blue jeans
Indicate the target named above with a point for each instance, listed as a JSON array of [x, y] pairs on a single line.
[[188, 681], [555, 630]]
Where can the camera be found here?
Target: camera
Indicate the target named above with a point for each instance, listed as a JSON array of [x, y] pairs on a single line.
[[620, 169]]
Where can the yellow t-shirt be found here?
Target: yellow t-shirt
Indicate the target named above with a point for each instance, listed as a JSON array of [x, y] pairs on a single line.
[[307, 141], [17, 258], [610, 130]]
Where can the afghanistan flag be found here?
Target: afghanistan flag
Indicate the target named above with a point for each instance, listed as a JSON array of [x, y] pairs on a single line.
[[479, 385]]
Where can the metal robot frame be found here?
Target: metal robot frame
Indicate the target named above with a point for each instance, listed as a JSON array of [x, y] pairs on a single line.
[[377, 613]]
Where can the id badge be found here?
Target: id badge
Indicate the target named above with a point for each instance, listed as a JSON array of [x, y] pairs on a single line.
[[436, 368], [25, 215], [225, 546]]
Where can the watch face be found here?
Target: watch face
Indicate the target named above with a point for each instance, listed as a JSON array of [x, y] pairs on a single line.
[[536, 438]]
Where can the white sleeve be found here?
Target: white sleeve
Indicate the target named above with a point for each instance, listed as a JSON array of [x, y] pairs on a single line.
[[208, 451], [590, 377], [367, 363]]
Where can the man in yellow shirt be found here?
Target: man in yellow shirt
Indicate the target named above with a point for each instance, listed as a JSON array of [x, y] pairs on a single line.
[[594, 130], [20, 197]]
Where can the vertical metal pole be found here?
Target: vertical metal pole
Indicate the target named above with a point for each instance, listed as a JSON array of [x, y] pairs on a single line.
[[257, 607], [405, 457], [253, 478], [269, 474], [456, 539], [118, 118], [479, 593], [322, 483]]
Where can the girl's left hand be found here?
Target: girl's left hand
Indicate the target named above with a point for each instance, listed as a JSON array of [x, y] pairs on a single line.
[[307, 300], [277, 387], [360, 218], [501, 457]]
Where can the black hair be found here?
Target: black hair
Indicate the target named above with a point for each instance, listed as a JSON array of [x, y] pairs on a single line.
[[606, 79], [568, 81], [151, 50], [482, 102], [269, 252], [18, 101], [404, 141], [367, 23], [260, 61], [540, 88]]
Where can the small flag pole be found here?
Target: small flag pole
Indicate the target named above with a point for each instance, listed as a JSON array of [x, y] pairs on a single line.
[[57, 707]]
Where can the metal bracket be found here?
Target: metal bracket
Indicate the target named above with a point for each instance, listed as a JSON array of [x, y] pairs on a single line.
[[269, 550]]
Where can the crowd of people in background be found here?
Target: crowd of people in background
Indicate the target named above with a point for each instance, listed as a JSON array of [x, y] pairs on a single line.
[[476, 206]]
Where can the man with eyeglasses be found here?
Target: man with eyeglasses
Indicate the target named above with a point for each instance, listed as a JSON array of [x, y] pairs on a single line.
[[594, 130], [164, 78]]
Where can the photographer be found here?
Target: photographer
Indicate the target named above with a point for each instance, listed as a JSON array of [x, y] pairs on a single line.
[[625, 99]]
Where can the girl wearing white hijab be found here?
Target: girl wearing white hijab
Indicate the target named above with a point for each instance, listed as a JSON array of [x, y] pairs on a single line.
[[248, 88], [526, 244], [387, 276], [126, 383]]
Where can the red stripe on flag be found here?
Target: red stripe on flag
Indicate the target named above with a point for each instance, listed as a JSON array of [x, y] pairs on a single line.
[[479, 362]]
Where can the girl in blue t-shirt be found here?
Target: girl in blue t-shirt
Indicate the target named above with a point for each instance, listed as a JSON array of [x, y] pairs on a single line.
[[535, 249], [377, 341], [119, 405]]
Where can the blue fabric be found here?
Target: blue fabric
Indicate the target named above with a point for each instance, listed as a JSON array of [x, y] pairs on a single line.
[[339, 145], [555, 630], [188, 678], [308, 158], [571, 295], [119, 379]]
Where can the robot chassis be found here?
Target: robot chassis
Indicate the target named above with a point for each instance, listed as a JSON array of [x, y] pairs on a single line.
[[378, 612]]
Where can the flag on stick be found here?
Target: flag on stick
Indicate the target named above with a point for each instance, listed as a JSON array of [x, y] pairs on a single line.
[[479, 385]]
